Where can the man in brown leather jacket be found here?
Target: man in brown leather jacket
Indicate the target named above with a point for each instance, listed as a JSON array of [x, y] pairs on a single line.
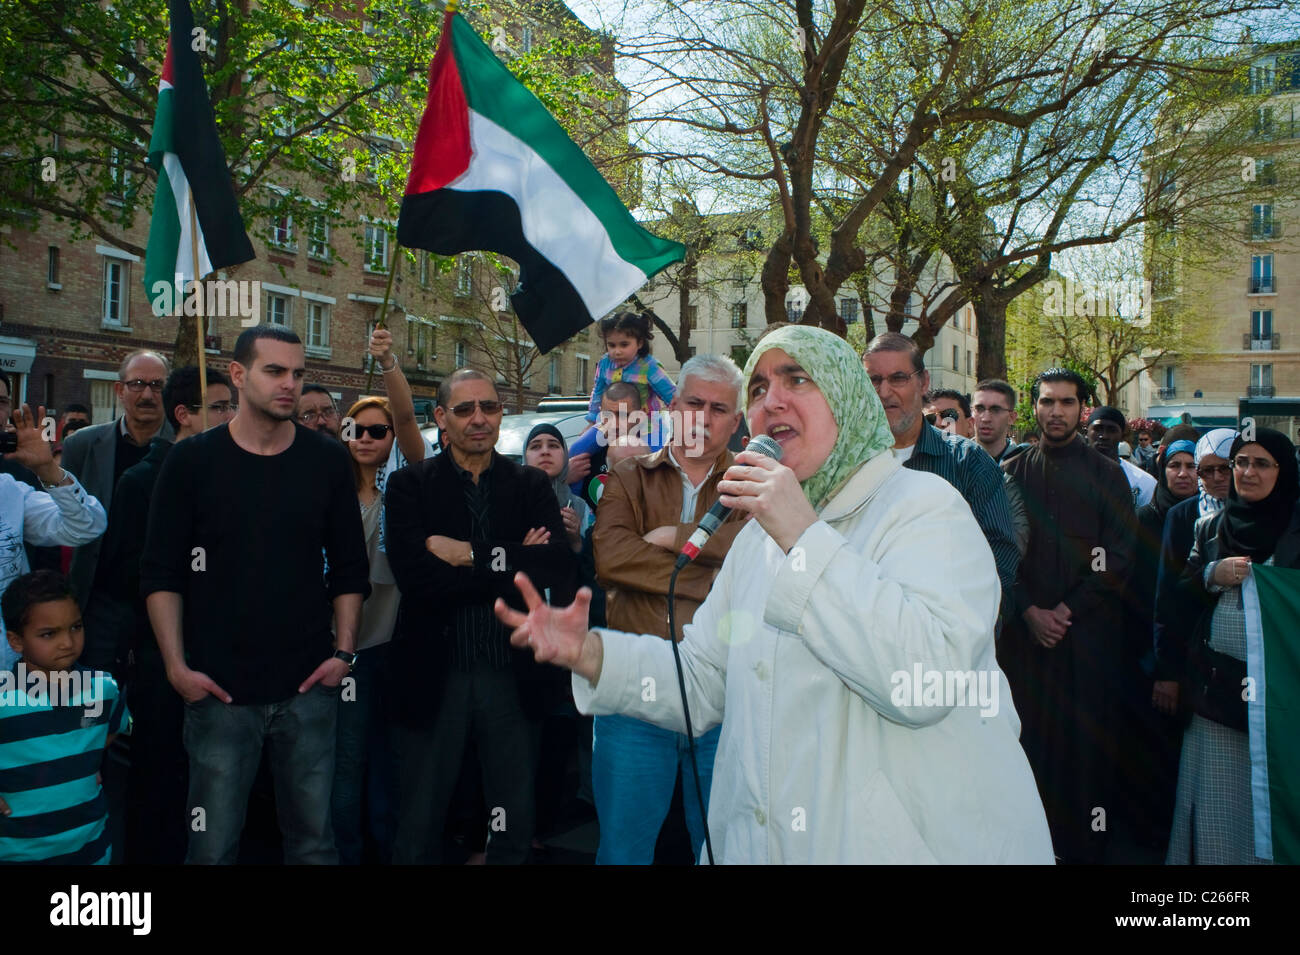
[[650, 506]]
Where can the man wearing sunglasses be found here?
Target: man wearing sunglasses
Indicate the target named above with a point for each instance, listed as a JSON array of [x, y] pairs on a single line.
[[98, 455], [458, 526]]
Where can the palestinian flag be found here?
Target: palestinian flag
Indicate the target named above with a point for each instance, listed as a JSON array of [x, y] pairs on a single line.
[[493, 170], [1271, 597], [191, 167]]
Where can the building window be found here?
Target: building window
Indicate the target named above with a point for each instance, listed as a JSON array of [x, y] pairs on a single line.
[[583, 384], [318, 246], [739, 315], [690, 351], [118, 175], [1261, 79], [1261, 381], [278, 311], [424, 270], [1266, 172], [464, 275], [52, 268], [849, 310], [461, 360], [1264, 122], [282, 232], [376, 248], [1261, 221], [115, 310], [1261, 274], [318, 325], [1261, 328], [793, 311], [526, 39], [412, 332], [693, 316], [1169, 377], [968, 361], [553, 376], [103, 402], [954, 357]]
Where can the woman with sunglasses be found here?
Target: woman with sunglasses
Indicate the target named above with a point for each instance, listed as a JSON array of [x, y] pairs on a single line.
[[1213, 813], [364, 767]]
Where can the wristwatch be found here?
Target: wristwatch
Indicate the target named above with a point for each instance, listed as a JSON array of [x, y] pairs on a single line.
[[347, 657]]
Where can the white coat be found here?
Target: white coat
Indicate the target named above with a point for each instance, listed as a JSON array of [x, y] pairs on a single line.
[[826, 754]]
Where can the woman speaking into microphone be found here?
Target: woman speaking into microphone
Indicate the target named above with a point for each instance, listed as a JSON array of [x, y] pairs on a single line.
[[846, 646]]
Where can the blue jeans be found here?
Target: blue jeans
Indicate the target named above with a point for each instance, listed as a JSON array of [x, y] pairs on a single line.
[[634, 768], [365, 764], [224, 743]]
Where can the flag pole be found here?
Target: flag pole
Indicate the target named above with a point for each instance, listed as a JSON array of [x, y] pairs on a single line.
[[383, 312], [202, 329]]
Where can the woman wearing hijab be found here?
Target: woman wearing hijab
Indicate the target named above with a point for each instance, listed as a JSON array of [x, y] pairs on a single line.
[[1149, 771], [831, 640], [1213, 819], [546, 450], [1172, 623]]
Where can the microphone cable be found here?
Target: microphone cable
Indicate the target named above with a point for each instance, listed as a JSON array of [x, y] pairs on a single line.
[[686, 709]]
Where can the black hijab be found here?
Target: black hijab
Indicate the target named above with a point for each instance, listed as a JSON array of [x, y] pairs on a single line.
[[1252, 529]]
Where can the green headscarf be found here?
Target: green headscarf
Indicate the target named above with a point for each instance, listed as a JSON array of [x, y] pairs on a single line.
[[837, 370]]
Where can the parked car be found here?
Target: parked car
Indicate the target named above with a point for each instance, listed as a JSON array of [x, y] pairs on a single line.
[[515, 428]]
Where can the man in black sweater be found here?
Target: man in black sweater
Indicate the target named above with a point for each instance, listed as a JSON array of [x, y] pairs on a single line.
[[241, 599], [458, 526]]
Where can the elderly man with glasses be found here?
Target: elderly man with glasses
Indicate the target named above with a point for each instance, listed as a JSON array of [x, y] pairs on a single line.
[[458, 526], [98, 455]]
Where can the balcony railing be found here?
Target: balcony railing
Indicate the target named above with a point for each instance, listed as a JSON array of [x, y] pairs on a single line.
[[1250, 342], [1260, 391], [1167, 393], [1261, 286], [1257, 231]]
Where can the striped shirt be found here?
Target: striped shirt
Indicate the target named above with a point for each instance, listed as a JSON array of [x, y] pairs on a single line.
[[965, 465], [644, 371], [479, 635], [51, 749]]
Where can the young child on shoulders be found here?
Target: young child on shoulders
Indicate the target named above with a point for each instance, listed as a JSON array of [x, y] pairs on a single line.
[[627, 358], [57, 719]]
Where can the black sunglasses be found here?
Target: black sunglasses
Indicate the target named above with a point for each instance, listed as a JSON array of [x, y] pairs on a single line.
[[948, 414], [376, 431]]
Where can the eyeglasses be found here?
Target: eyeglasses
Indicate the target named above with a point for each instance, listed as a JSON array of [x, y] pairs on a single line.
[[376, 431], [994, 409], [310, 417], [218, 407], [947, 414], [137, 385], [466, 408], [1244, 463], [1214, 470], [897, 380]]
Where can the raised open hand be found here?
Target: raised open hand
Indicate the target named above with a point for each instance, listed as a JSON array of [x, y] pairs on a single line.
[[556, 635]]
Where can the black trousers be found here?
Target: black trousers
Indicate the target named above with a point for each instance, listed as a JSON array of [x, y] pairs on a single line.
[[484, 702]]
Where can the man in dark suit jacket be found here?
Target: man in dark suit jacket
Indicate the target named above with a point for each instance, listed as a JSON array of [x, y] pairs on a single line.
[[458, 527], [98, 455]]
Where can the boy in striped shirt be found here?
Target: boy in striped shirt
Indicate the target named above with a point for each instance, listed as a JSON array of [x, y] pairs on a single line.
[[56, 721]]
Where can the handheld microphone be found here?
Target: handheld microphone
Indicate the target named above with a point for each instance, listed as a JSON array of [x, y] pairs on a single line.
[[711, 521]]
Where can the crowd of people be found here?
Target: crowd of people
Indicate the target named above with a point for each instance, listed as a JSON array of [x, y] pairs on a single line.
[[912, 638]]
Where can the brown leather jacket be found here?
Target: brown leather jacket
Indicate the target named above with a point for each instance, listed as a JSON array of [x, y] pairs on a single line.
[[641, 494]]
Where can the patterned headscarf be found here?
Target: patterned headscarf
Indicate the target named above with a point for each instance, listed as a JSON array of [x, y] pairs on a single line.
[[1218, 443], [837, 371]]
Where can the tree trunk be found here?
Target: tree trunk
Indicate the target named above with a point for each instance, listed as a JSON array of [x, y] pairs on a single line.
[[991, 332], [776, 278], [185, 350]]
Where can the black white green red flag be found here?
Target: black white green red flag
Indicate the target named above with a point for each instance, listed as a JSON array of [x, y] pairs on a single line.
[[493, 170], [191, 165]]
